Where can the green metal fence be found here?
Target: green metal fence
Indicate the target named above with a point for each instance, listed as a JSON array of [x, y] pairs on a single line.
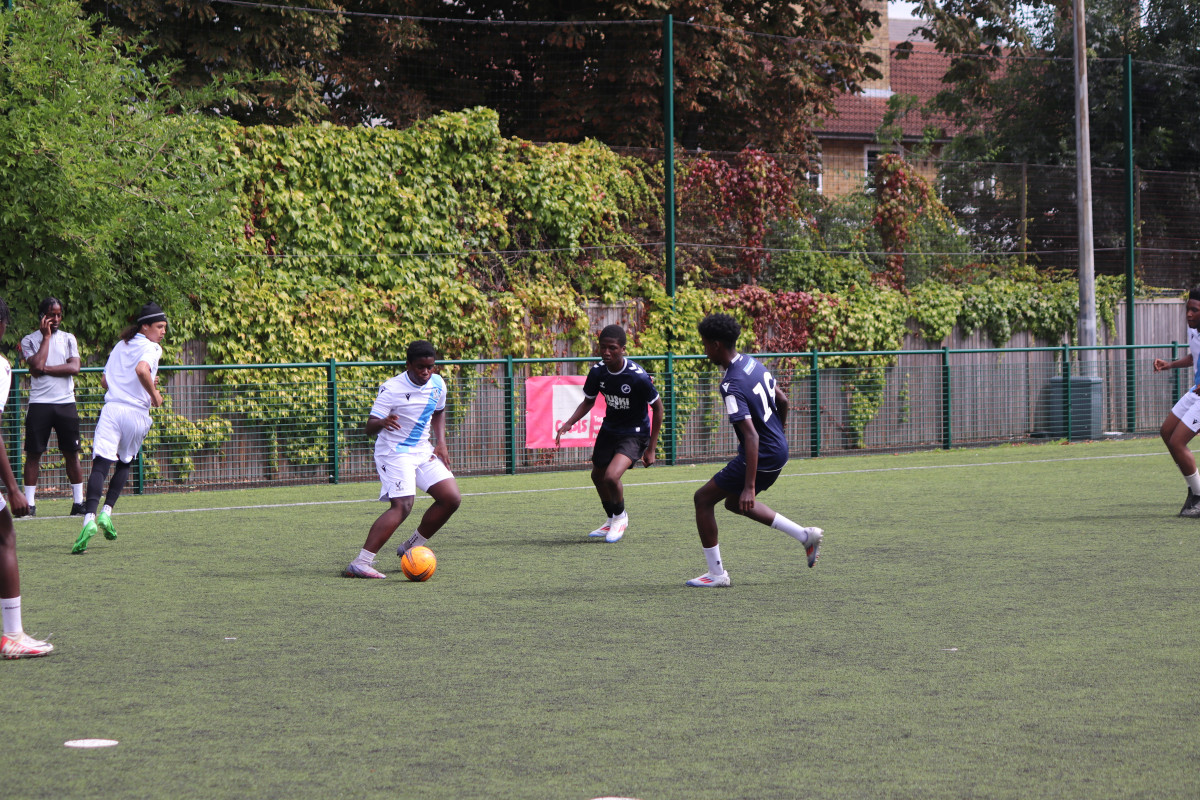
[[275, 424]]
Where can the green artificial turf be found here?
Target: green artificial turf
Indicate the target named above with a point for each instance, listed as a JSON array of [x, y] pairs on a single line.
[[1014, 622]]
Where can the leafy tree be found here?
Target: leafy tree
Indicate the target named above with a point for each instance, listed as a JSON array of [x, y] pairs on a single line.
[[108, 198], [271, 55], [1011, 82], [597, 74]]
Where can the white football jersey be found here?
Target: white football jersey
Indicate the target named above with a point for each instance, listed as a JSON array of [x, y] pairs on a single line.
[[121, 371], [414, 406], [1194, 349], [5, 382], [51, 388]]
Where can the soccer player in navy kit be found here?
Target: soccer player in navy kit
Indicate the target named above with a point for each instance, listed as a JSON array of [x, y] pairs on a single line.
[[757, 408], [628, 432]]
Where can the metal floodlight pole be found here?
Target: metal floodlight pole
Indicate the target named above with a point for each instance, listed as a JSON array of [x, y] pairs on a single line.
[[1083, 183], [669, 150], [1130, 255]]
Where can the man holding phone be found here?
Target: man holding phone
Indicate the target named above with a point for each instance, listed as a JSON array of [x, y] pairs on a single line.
[[52, 356]]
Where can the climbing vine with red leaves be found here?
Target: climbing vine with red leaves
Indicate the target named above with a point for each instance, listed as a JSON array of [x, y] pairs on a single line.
[[783, 322], [734, 202], [901, 196]]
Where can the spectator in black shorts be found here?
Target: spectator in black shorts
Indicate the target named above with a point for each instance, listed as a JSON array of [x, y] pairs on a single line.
[[52, 356], [628, 433]]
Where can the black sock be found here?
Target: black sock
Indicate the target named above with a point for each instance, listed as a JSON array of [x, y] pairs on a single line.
[[618, 508], [117, 484], [95, 483], [608, 508]]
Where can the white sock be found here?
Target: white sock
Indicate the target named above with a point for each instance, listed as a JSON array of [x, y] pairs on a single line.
[[365, 556], [107, 509], [797, 532], [10, 607], [30, 492], [1193, 482], [713, 556], [88, 518], [416, 540], [77, 492]]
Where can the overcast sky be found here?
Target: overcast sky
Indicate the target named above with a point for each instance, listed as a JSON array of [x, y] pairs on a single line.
[[900, 10]]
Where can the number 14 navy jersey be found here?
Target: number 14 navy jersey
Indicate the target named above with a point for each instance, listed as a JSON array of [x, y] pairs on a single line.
[[748, 391]]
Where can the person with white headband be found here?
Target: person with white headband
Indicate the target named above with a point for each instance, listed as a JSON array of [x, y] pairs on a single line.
[[130, 382]]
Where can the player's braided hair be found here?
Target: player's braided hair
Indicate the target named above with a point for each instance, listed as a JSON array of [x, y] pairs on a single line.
[[720, 328], [1194, 294], [48, 303]]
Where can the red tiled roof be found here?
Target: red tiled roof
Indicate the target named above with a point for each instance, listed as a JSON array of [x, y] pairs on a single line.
[[920, 74]]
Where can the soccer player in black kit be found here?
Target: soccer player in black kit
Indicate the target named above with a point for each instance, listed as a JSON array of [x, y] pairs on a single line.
[[628, 434]]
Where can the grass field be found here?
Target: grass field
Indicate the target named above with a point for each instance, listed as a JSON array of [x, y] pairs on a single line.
[[1017, 622]]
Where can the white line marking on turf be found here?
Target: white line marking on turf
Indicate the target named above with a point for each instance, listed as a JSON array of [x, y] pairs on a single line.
[[83, 743], [645, 483]]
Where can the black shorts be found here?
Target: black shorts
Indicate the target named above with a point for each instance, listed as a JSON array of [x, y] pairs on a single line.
[[732, 479], [609, 445], [41, 418]]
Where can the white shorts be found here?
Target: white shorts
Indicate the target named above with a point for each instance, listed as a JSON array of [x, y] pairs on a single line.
[[401, 474], [120, 432]]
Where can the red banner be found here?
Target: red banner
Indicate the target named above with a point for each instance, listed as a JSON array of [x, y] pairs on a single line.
[[549, 402]]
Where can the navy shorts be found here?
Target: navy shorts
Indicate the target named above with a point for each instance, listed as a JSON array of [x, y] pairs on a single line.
[[609, 445], [41, 418], [732, 479]]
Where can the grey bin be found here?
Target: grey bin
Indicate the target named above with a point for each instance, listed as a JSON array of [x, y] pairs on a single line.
[[1087, 415]]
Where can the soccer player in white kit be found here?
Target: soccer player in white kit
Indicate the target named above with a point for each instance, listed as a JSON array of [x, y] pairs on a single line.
[[1181, 424], [130, 381], [14, 643], [408, 408]]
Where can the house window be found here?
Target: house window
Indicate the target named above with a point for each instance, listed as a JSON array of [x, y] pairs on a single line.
[[813, 177], [871, 160], [871, 156]]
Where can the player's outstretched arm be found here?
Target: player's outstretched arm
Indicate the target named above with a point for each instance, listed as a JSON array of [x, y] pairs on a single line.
[[1184, 361], [376, 424], [438, 429], [16, 498], [656, 418], [781, 404], [750, 446], [580, 410]]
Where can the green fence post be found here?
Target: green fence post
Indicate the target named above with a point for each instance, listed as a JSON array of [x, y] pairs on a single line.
[[671, 420], [333, 426], [139, 486], [947, 399], [510, 415], [1175, 355], [1067, 389], [814, 407]]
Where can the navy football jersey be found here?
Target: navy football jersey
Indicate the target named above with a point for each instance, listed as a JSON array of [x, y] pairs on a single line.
[[748, 392], [627, 393]]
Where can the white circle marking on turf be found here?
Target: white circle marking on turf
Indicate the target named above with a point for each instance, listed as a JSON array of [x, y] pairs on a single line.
[[83, 743]]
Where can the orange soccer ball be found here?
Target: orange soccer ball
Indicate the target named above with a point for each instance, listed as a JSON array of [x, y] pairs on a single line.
[[418, 564]]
